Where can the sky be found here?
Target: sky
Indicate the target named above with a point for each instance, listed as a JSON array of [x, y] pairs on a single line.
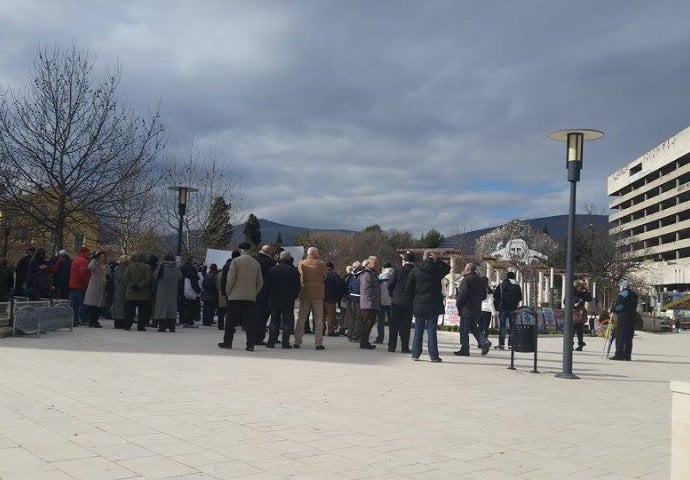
[[408, 114]]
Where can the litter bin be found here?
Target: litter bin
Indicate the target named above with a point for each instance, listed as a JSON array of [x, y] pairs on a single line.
[[523, 335]]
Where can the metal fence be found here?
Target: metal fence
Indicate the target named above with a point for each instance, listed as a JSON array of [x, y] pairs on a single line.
[[35, 317]]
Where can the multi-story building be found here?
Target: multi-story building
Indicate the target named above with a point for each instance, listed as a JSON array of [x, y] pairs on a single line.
[[651, 212]]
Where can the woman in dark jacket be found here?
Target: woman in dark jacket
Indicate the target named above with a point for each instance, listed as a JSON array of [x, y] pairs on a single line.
[[424, 284], [168, 278], [581, 296]]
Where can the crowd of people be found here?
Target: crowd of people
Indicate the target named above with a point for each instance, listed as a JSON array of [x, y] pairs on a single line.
[[258, 293]]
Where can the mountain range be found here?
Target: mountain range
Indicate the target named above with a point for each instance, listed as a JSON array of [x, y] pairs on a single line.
[[556, 226]]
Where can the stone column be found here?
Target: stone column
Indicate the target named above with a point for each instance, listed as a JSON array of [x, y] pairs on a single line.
[[540, 289], [551, 284]]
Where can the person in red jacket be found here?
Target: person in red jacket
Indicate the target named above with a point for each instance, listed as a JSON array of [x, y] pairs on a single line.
[[78, 282]]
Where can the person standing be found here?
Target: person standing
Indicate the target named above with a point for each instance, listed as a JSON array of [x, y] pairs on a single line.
[[78, 283], [469, 303], [581, 296], [313, 272], [507, 297], [39, 279], [21, 287], [138, 292], [282, 286], [333, 291], [625, 309], [244, 283], [117, 309], [209, 295], [189, 310], [385, 310], [401, 306], [369, 301], [168, 278], [354, 316], [262, 310], [6, 279], [94, 300], [424, 285], [60, 271]]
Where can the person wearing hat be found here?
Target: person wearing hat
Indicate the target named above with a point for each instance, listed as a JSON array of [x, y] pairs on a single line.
[[625, 309], [244, 282], [401, 306], [59, 269]]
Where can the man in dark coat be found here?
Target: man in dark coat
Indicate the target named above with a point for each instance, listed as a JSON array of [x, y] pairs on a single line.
[[22, 272], [507, 297], [261, 309], [424, 284], [282, 288], [625, 309], [401, 306], [469, 303], [190, 309], [60, 270], [333, 291]]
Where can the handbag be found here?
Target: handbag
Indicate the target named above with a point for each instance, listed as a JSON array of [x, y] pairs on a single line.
[[189, 292]]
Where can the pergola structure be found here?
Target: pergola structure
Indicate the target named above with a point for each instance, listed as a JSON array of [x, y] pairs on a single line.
[[538, 283]]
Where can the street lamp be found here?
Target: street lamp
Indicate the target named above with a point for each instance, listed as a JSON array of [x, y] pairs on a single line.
[[182, 193], [575, 139]]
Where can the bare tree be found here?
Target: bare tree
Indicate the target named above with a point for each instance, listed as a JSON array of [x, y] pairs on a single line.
[[206, 170], [69, 141]]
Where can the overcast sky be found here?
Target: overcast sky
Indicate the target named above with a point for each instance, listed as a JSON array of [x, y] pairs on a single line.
[[410, 114]]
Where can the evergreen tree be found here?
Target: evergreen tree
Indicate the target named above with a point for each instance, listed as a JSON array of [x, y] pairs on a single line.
[[545, 228], [277, 244], [252, 230], [431, 239], [218, 231]]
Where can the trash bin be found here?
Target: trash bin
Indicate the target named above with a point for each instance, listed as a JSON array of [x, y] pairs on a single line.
[[524, 332]]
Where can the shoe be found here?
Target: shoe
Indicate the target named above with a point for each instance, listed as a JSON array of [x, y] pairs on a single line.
[[296, 346], [579, 348], [415, 359], [616, 358], [249, 349], [319, 347], [161, 330], [225, 345], [392, 350], [287, 346], [141, 329], [270, 345], [261, 343], [332, 334], [462, 353], [367, 346], [405, 350], [486, 348], [96, 325], [194, 325], [436, 360], [378, 342]]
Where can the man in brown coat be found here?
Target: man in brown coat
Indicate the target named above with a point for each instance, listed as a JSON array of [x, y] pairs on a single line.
[[313, 272]]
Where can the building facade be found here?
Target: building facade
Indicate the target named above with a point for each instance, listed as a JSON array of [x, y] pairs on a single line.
[[650, 199]]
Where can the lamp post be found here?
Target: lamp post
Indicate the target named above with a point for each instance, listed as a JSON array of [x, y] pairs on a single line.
[[575, 139], [182, 193]]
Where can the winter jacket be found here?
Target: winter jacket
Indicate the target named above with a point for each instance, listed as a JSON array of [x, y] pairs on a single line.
[[266, 262], [370, 293], [424, 285], [78, 272], [282, 286], [39, 279], [580, 297], [396, 286], [384, 278], [60, 271], [507, 296], [626, 305], [189, 271], [138, 280], [117, 309], [6, 279], [352, 285], [95, 292], [22, 273], [470, 296], [313, 272], [209, 288], [244, 279], [333, 288], [169, 277]]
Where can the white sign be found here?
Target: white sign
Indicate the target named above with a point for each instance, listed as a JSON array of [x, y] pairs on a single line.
[[219, 257], [451, 316]]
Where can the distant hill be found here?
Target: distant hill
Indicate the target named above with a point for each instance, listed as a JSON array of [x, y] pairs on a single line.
[[557, 227], [270, 231]]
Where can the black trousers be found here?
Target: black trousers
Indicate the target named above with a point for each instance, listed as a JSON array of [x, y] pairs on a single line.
[[166, 324], [93, 314], [401, 323], [286, 318], [578, 329], [240, 312], [221, 312], [624, 338], [143, 309], [369, 318], [262, 312]]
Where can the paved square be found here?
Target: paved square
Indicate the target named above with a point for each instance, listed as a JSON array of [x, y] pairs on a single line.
[[109, 404]]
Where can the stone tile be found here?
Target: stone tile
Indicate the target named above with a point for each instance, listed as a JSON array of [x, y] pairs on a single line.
[[156, 467], [92, 468]]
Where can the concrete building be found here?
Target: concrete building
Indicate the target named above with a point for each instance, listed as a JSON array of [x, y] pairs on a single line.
[[651, 212]]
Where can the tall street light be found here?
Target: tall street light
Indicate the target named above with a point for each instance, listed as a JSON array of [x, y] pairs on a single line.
[[575, 139], [182, 193]]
